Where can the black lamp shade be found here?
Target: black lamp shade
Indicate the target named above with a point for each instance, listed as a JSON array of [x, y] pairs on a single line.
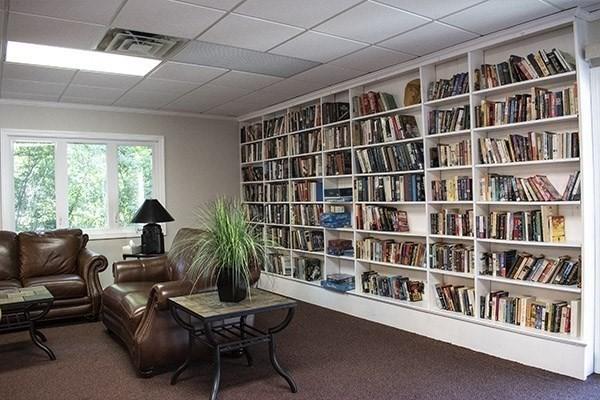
[[151, 212]]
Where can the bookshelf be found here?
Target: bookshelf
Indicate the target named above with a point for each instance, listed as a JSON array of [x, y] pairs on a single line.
[[344, 136]]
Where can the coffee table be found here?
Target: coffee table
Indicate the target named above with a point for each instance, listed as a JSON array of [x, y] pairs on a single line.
[[223, 328], [22, 308]]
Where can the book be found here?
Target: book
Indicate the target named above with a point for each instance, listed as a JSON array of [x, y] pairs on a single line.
[[279, 264], [274, 126], [452, 222], [250, 133], [276, 147], [338, 163], [251, 152], [306, 214], [390, 251], [373, 102], [530, 225], [455, 257], [397, 287], [442, 88], [303, 117], [557, 229], [308, 269], [443, 121], [252, 174], [387, 128], [335, 112], [277, 214], [276, 169], [278, 236], [277, 191], [253, 192], [456, 188], [401, 188], [305, 142], [305, 190], [455, 298], [308, 240], [306, 166], [451, 155], [335, 137], [379, 218], [495, 187], [390, 158]]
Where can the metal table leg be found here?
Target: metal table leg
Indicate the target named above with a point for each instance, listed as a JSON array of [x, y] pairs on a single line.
[[190, 328], [37, 335], [286, 375]]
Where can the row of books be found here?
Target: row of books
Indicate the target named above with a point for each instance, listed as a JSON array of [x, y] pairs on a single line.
[[308, 240], [280, 264], [410, 187], [305, 142], [308, 269], [443, 121], [456, 188], [307, 214], [539, 104], [451, 155], [335, 111], [458, 84], [452, 222], [391, 158], [527, 311], [457, 298], [277, 169], [252, 174], [278, 236], [518, 69], [252, 152], [277, 191], [543, 225], [254, 193], [307, 190], [397, 287], [306, 167], [277, 214], [256, 212], [379, 218], [336, 137], [304, 118], [535, 146], [390, 251], [455, 257], [274, 127], [384, 129], [277, 147], [338, 163], [494, 187], [250, 133], [373, 102], [526, 267]]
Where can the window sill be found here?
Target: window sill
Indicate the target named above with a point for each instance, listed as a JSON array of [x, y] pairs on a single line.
[[112, 235]]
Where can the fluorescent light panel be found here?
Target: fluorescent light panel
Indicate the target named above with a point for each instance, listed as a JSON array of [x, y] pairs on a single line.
[[87, 60]]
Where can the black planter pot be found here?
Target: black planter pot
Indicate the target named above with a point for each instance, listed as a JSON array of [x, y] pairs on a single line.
[[228, 292]]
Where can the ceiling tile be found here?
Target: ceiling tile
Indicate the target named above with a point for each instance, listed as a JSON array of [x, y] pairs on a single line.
[[220, 4], [37, 73], [327, 74], [371, 22], [54, 32], [427, 39], [233, 109], [317, 47], [29, 96], [290, 88], [33, 87], [145, 99], [165, 86], [431, 8], [205, 97], [249, 33], [245, 80], [87, 100], [98, 79], [93, 92], [306, 13], [187, 72], [216, 55], [493, 16], [166, 17], [371, 59], [94, 11]]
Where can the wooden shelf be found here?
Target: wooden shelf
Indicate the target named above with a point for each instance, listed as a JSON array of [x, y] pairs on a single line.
[[526, 124], [513, 87], [538, 285]]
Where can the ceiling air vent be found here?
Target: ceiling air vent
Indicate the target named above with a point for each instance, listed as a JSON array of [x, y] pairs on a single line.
[[140, 44]]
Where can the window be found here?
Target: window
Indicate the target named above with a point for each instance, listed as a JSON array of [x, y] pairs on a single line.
[[95, 182]]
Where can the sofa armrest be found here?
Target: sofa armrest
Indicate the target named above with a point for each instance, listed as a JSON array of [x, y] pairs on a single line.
[[90, 265], [144, 270], [161, 292]]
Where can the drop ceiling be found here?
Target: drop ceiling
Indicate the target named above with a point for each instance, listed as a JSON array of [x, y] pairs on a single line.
[[244, 55]]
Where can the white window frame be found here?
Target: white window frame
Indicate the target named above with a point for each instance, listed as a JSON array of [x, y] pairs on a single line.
[[112, 140]]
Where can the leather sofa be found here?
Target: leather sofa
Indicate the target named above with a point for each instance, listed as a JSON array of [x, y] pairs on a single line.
[[135, 309], [58, 260]]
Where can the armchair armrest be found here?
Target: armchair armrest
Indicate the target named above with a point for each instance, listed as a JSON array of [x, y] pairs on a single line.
[[144, 270], [90, 265], [161, 292]]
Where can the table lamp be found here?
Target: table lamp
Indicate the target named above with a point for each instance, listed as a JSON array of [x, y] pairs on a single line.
[[151, 213]]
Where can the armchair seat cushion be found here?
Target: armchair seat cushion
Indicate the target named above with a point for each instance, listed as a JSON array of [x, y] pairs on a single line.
[[64, 286], [128, 300], [9, 284]]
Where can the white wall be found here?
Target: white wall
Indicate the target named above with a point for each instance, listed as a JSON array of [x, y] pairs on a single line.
[[201, 156]]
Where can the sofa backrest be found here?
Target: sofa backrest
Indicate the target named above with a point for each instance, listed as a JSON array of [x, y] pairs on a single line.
[[9, 259], [50, 253]]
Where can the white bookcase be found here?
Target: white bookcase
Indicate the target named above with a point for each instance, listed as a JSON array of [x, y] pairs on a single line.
[[563, 353]]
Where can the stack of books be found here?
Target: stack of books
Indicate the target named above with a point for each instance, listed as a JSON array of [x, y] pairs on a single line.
[[460, 299], [543, 225], [443, 121], [454, 86], [340, 247], [410, 187], [455, 257], [451, 155], [280, 264], [456, 188], [397, 287], [386, 129], [390, 251], [379, 218], [373, 102], [390, 158], [452, 222]]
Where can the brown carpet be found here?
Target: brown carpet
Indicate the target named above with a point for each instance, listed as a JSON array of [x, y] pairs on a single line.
[[331, 356]]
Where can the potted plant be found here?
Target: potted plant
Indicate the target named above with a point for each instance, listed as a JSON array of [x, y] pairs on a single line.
[[227, 249]]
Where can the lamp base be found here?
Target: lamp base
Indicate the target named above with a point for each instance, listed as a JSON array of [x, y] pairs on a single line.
[[153, 240]]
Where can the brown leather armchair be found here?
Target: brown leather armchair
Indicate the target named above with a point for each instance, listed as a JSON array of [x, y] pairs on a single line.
[[136, 310], [58, 260]]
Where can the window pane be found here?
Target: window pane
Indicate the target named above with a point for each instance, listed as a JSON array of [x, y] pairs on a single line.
[[135, 180], [35, 198], [87, 185]]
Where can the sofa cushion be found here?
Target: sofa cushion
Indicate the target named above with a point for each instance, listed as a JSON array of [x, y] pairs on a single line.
[[9, 260], [64, 286], [9, 284], [128, 300], [49, 253]]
